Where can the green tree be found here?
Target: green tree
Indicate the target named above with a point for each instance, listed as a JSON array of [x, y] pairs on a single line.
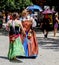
[[14, 4]]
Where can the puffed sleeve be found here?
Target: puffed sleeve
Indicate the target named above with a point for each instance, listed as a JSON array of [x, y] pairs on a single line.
[[33, 22]]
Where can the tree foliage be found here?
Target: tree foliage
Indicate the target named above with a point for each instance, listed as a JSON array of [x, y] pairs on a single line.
[[14, 4]]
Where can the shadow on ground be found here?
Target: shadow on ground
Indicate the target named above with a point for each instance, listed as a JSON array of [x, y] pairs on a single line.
[[14, 61], [3, 32], [3, 57], [49, 43], [23, 57]]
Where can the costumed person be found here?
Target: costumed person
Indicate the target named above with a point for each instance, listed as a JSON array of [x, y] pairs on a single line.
[[29, 42], [15, 47]]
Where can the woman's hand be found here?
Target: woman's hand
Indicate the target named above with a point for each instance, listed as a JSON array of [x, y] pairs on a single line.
[[7, 28]]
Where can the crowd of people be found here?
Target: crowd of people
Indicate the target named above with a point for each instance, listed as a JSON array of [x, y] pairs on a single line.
[[45, 26], [22, 37]]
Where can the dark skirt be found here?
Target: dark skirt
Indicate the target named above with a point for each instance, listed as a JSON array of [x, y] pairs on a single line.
[[56, 25], [45, 27]]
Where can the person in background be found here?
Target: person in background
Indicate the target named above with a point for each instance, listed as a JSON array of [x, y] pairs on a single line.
[[4, 16], [31, 13], [45, 25], [56, 20], [9, 16]]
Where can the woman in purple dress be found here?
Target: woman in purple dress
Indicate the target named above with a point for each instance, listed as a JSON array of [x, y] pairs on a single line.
[[55, 24]]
